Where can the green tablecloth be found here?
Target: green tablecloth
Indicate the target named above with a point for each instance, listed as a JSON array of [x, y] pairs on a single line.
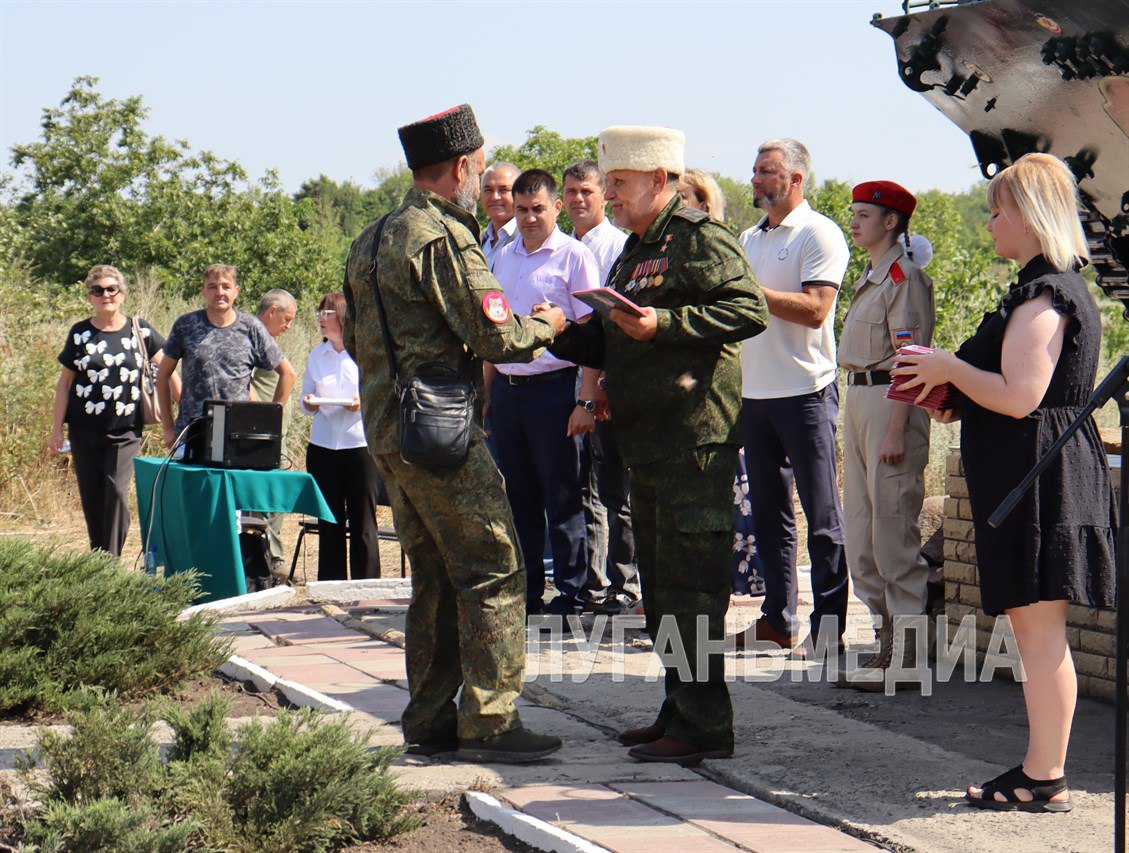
[[194, 525]]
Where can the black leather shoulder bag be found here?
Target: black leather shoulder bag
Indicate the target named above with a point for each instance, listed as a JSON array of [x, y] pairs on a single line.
[[436, 406]]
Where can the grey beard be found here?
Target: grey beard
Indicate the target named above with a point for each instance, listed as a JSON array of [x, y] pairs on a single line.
[[768, 201], [466, 197]]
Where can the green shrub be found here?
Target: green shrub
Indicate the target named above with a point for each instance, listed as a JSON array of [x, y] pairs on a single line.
[[293, 784], [299, 783], [105, 824], [111, 755], [201, 732], [69, 621]]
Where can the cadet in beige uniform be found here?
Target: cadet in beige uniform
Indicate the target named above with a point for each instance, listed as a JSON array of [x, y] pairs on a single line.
[[885, 443]]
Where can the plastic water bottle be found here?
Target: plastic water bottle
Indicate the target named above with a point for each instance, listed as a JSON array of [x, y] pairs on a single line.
[[151, 560]]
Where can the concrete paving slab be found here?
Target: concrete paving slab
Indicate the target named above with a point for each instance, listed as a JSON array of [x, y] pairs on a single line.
[[250, 642], [303, 629], [608, 818]]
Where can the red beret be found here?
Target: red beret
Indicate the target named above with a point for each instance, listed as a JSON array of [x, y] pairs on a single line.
[[886, 193]]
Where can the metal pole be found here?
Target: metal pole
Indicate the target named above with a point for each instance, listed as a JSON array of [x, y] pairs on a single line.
[[1122, 629]]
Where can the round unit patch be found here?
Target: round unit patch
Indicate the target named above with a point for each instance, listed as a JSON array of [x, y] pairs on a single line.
[[495, 307]]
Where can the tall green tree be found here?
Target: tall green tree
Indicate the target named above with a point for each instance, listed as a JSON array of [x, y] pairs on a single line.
[[546, 149], [740, 212], [97, 188]]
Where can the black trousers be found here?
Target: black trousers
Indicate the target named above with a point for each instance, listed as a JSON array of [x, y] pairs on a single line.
[[619, 573], [350, 483], [103, 466], [799, 430]]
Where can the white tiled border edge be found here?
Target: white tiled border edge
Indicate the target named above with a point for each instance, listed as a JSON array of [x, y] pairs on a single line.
[[298, 694], [529, 829], [264, 599]]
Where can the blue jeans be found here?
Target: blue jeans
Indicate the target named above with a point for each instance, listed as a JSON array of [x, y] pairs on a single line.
[[542, 468], [799, 430]]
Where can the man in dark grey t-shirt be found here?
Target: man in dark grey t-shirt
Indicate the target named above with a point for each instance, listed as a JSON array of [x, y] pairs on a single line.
[[220, 348]]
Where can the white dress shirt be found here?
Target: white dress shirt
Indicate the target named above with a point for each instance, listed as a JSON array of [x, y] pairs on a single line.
[[788, 359], [505, 237], [330, 373], [552, 273], [606, 243]]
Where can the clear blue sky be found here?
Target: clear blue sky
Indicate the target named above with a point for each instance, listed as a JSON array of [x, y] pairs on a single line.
[[309, 88]]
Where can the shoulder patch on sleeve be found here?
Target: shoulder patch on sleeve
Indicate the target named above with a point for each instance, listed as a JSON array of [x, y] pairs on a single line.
[[691, 214], [495, 307], [896, 274]]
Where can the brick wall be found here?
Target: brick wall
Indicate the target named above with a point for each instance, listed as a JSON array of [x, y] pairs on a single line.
[[1091, 631]]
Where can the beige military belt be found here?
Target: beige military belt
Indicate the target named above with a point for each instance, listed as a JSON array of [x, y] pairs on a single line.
[[869, 377]]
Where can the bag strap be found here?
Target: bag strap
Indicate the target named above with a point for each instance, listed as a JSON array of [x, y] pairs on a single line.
[[139, 341], [392, 364]]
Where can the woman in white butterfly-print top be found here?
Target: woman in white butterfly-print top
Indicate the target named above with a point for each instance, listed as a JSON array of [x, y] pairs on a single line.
[[98, 397]]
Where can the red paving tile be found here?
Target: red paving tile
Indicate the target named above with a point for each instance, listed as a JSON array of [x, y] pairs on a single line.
[[698, 815], [741, 819], [276, 653], [611, 820], [784, 837], [697, 842], [318, 675], [701, 799]]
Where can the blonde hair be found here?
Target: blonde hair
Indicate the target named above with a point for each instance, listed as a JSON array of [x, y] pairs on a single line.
[[102, 271], [1044, 190], [706, 190]]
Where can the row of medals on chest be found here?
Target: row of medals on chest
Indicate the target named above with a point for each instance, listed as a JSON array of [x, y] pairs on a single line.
[[647, 274]]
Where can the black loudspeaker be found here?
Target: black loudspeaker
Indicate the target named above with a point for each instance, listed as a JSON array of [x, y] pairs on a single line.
[[236, 434]]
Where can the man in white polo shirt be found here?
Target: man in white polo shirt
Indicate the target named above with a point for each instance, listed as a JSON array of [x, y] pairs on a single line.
[[613, 576], [790, 396], [536, 415]]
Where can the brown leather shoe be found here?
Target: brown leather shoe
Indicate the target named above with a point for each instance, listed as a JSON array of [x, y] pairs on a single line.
[[646, 734], [669, 750], [762, 631]]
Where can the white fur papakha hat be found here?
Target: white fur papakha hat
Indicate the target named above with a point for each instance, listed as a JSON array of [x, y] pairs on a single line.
[[642, 149]]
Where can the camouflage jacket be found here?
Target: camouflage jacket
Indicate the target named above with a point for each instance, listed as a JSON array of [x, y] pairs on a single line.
[[434, 283], [682, 389]]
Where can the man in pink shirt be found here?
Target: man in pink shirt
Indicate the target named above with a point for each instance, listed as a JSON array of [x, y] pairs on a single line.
[[537, 416]]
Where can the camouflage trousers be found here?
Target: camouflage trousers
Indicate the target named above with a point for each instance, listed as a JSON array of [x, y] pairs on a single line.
[[466, 620], [682, 511]]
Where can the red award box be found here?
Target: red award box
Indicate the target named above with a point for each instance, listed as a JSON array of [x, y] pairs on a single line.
[[939, 397]]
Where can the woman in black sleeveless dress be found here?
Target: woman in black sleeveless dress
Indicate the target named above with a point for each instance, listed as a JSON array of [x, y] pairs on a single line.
[[1023, 378]]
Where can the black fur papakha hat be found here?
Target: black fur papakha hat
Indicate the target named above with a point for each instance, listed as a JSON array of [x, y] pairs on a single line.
[[440, 137]]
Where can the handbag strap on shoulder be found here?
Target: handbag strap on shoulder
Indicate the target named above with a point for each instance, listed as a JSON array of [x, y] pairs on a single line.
[[393, 366], [139, 342]]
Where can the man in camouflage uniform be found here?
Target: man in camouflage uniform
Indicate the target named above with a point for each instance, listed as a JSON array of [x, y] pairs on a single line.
[[673, 378], [466, 621]]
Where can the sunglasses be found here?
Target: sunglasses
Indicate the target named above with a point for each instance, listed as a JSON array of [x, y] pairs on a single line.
[[109, 290], [326, 313]]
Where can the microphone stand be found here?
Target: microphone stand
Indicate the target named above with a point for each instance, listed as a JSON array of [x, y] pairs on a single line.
[[1115, 385]]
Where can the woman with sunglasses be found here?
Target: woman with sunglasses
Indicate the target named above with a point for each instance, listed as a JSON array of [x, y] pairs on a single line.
[[98, 396], [337, 456]]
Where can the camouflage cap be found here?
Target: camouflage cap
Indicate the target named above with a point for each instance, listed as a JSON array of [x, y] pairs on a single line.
[[440, 137]]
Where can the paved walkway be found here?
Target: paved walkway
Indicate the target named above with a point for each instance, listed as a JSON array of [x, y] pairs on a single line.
[[811, 760], [590, 788]]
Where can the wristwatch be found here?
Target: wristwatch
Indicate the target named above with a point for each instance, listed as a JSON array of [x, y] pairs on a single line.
[[587, 405]]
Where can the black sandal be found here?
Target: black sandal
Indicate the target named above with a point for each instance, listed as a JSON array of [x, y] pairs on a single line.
[[1007, 783]]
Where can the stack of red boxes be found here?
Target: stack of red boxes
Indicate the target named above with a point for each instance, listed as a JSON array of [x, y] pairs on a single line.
[[939, 397]]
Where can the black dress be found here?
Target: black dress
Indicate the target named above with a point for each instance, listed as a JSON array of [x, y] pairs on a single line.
[[1058, 543]]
